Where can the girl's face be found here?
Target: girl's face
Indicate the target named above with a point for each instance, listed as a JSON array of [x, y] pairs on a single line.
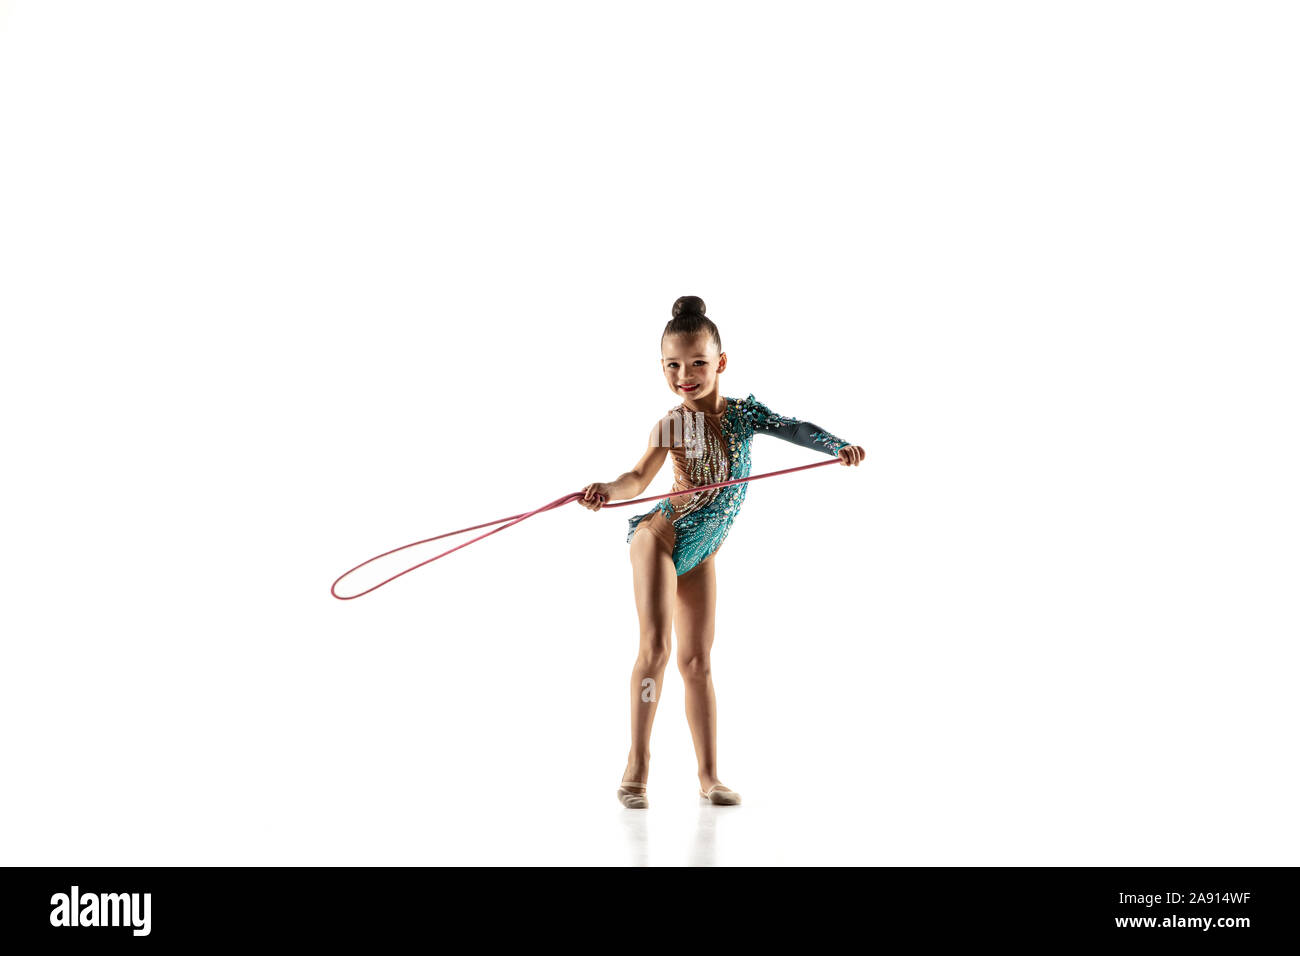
[[692, 360]]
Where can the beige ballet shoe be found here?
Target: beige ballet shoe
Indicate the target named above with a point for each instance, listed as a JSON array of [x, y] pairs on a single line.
[[631, 798], [721, 796]]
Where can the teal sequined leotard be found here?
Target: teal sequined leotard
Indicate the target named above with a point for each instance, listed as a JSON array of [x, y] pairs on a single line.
[[699, 522]]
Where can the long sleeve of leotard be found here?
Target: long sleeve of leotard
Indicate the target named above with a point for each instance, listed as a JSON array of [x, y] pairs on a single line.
[[804, 434]]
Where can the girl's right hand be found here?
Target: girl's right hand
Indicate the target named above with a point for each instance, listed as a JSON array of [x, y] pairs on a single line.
[[594, 495]]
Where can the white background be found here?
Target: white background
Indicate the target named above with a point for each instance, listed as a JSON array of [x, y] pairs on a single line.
[[285, 285]]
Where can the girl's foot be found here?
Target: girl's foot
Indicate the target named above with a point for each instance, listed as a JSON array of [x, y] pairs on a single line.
[[633, 795], [632, 791], [718, 795]]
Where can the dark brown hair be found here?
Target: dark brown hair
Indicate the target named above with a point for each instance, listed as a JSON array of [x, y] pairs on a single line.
[[689, 319]]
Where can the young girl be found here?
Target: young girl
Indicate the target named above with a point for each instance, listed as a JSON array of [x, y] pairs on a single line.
[[673, 545]]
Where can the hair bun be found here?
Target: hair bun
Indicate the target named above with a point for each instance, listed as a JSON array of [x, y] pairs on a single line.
[[688, 305]]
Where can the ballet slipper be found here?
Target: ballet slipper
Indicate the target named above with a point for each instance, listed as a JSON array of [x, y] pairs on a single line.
[[721, 796], [631, 798]]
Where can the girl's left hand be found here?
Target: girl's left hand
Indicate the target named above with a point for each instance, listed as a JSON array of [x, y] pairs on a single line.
[[852, 455]]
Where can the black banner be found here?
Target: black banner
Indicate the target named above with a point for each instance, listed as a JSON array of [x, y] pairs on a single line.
[[1222, 907]]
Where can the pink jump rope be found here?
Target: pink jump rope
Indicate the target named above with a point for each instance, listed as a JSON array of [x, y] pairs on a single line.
[[515, 519]]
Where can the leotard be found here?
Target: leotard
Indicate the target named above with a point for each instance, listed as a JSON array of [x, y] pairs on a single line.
[[695, 525]]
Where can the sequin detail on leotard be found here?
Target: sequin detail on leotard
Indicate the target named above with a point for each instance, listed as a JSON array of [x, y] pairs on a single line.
[[700, 525]]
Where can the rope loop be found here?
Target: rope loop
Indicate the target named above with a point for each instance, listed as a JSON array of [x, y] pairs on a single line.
[[515, 519]]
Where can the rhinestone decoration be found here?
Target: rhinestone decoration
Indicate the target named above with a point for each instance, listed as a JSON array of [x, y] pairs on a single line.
[[702, 523]]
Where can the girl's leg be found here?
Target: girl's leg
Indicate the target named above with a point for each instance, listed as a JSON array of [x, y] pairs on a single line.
[[696, 600], [654, 584]]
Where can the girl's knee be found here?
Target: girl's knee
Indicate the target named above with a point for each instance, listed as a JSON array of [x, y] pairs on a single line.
[[695, 667], [653, 657]]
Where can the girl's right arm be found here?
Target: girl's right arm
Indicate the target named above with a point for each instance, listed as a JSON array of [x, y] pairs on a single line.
[[630, 483]]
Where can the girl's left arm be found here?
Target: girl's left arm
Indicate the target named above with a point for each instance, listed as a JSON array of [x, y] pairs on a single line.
[[802, 433]]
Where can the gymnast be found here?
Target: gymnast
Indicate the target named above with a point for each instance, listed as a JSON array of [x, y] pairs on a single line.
[[673, 546]]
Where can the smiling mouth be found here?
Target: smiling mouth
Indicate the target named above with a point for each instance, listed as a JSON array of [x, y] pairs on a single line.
[[688, 388]]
